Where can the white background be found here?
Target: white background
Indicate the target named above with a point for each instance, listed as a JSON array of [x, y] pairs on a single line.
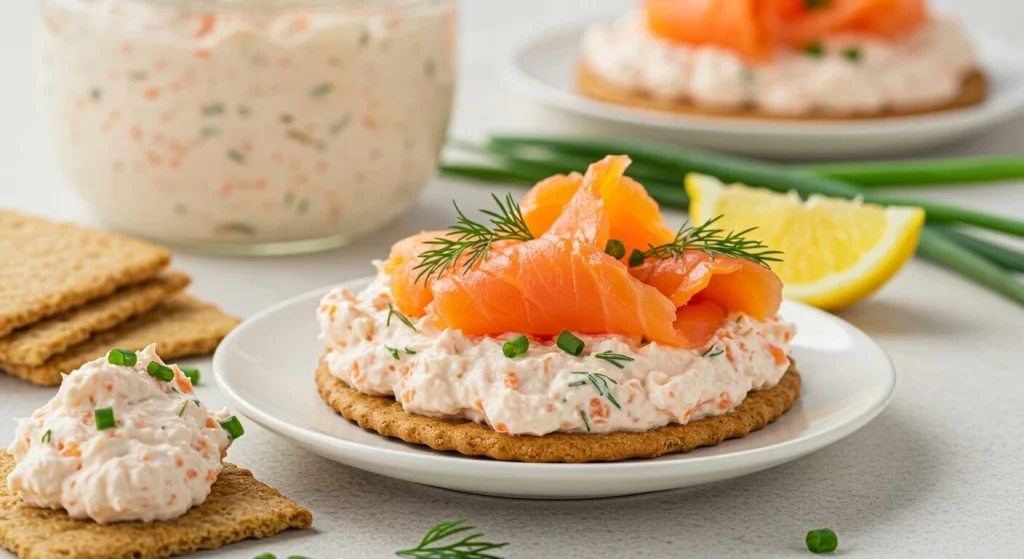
[[939, 473]]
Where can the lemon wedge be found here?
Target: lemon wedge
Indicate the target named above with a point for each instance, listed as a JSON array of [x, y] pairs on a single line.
[[835, 251]]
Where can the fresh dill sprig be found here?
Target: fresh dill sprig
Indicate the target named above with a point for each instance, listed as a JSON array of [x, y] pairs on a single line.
[[613, 358], [405, 320], [467, 548], [715, 242], [472, 239], [600, 382]]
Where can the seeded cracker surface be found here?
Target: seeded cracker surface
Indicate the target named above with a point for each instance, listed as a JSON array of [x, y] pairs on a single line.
[[35, 343], [238, 508], [386, 416], [48, 267]]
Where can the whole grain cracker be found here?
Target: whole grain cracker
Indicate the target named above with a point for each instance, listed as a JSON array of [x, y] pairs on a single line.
[[180, 326], [386, 416], [239, 507], [47, 267], [35, 343], [973, 91]]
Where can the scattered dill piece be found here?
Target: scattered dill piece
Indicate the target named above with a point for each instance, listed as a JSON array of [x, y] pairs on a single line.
[[711, 351], [96, 93], [394, 352], [410, 351], [303, 206], [715, 242], [600, 382], [614, 358], [211, 110], [586, 420], [405, 320], [814, 49], [321, 90], [208, 131], [853, 54], [469, 547], [137, 75], [47, 436], [636, 257], [236, 156], [615, 248], [181, 411], [473, 240]]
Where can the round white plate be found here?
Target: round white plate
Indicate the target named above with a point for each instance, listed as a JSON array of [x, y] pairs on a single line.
[[543, 70], [265, 368]]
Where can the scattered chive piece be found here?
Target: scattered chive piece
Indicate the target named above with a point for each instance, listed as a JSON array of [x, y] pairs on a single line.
[[613, 358], [160, 372], [124, 357], [410, 351], [181, 412], [822, 541], [321, 90], [516, 347], [265, 556], [394, 352], [236, 156], [104, 418], [405, 320], [636, 257], [569, 343], [615, 249], [95, 93], [233, 427], [211, 110], [709, 353], [814, 49], [47, 436], [586, 420], [192, 373], [853, 54]]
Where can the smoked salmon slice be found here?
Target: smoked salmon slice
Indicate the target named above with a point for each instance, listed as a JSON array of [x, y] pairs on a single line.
[[633, 216], [410, 296], [755, 28]]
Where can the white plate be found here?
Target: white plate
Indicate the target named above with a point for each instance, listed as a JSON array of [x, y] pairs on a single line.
[[265, 368], [543, 70]]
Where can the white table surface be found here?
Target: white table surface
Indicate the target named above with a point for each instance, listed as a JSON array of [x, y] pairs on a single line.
[[937, 474]]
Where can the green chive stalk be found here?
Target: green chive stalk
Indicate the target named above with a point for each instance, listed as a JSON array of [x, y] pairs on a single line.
[[935, 245], [939, 172]]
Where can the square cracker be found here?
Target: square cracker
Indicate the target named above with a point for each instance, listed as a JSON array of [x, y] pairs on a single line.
[[238, 508], [180, 326], [48, 267], [35, 343]]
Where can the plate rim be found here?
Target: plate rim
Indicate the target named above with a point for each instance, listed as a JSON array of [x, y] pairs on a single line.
[[990, 111], [306, 436]]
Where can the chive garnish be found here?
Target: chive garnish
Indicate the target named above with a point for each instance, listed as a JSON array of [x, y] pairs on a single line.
[[822, 541], [211, 110], [569, 343], [853, 54], [410, 351], [600, 382], [181, 411], [516, 347], [233, 427], [814, 49], [236, 156], [160, 372], [615, 248], [636, 257], [96, 93], [586, 420], [394, 352], [321, 90], [47, 436], [192, 373], [405, 320], [711, 349], [125, 357], [613, 358], [104, 418]]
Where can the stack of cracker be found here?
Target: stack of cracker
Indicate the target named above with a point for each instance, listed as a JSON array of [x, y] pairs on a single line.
[[68, 294]]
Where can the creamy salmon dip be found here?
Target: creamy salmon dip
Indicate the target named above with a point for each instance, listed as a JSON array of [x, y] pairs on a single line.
[[845, 74], [444, 373], [117, 443]]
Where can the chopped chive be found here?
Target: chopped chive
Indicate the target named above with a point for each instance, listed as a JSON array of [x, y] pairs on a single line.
[[586, 421], [47, 436], [405, 320], [215, 109], [711, 349], [96, 93], [233, 427], [192, 373], [853, 54], [181, 412], [822, 541], [569, 343], [137, 75], [636, 257], [125, 357], [516, 347], [160, 372], [104, 418], [615, 249], [394, 352], [321, 90], [303, 206], [236, 156], [814, 49], [265, 556], [410, 351], [613, 358]]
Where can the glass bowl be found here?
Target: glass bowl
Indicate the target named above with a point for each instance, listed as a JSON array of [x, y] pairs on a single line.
[[248, 126]]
